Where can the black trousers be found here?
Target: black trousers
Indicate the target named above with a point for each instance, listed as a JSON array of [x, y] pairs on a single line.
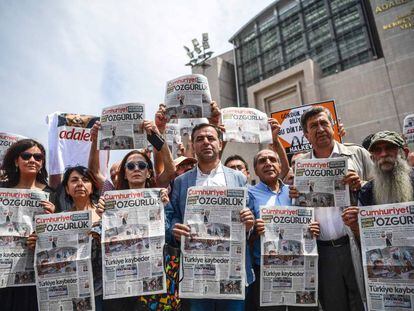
[[338, 289]]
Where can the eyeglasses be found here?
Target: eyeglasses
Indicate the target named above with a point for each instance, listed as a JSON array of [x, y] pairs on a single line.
[[36, 156], [141, 165]]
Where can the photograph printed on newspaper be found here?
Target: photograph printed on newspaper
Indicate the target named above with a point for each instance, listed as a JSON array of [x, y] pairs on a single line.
[[133, 237], [289, 258], [291, 133], [122, 127], [246, 125], [319, 183], [213, 257], [387, 234], [188, 97], [6, 140], [18, 207], [63, 265]]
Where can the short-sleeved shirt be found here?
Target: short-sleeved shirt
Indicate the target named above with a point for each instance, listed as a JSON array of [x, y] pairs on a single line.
[[262, 195]]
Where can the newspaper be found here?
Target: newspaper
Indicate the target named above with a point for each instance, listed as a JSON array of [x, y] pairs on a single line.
[[213, 257], [291, 133], [319, 182], [173, 139], [122, 127], [63, 261], [133, 237], [6, 140], [246, 125], [408, 129], [387, 233], [17, 210], [289, 258], [188, 97]]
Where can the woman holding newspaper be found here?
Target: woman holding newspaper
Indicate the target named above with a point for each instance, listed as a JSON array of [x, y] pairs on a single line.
[[24, 167], [136, 172]]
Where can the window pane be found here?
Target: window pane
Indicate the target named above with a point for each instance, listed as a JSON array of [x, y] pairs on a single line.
[[346, 20], [269, 39], [314, 13], [318, 35]]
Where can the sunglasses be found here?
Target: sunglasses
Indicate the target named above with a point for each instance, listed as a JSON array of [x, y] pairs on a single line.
[[141, 165], [27, 156]]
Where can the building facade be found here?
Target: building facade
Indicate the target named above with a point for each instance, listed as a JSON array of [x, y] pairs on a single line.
[[358, 52]]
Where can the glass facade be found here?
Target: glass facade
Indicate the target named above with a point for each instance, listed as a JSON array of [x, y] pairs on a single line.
[[336, 34]]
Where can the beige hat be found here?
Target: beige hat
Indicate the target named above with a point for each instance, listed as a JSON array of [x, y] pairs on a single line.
[[181, 160]]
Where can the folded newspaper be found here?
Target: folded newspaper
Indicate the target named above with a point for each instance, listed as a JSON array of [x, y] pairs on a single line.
[[133, 237], [213, 257], [64, 278], [122, 127], [246, 125], [6, 140], [18, 208], [289, 258], [387, 234], [188, 97]]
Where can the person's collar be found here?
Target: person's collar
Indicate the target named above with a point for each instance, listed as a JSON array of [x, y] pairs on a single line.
[[217, 169], [342, 149], [335, 151], [263, 186]]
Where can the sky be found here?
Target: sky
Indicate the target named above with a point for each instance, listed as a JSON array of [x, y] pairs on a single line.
[[80, 56]]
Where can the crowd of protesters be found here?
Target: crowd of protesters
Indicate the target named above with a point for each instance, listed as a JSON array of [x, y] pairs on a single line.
[[380, 172]]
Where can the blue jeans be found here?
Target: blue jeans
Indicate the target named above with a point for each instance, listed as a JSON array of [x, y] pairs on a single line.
[[215, 305]]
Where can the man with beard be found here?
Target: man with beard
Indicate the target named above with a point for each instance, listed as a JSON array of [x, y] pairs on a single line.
[[393, 181]]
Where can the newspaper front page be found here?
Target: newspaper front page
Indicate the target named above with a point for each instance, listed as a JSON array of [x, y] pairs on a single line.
[[63, 261], [387, 234], [289, 258], [213, 257], [408, 129], [122, 127], [188, 97], [18, 208], [133, 237], [246, 125], [6, 140]]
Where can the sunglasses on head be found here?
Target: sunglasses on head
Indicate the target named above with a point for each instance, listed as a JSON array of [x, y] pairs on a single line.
[[141, 165], [27, 156]]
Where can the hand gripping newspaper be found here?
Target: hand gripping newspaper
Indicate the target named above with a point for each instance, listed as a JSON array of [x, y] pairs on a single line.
[[63, 261], [122, 127], [387, 234], [289, 258], [188, 97], [133, 237], [213, 257], [246, 125], [18, 208], [319, 183]]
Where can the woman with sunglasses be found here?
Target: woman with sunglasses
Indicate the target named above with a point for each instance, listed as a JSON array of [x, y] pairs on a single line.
[[136, 172], [24, 167]]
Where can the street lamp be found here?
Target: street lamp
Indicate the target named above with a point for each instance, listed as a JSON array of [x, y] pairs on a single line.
[[202, 55]]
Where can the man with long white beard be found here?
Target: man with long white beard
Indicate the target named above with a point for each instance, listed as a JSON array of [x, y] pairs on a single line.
[[393, 181]]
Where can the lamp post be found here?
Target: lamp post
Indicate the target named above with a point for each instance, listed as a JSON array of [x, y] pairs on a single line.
[[202, 55]]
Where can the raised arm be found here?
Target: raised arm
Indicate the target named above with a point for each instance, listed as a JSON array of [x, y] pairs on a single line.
[[93, 162], [278, 147]]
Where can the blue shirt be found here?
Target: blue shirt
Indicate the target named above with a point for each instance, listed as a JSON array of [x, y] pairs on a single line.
[[260, 195]]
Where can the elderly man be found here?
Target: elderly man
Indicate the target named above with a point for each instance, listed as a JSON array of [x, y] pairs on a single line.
[[341, 284], [393, 181], [208, 172]]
